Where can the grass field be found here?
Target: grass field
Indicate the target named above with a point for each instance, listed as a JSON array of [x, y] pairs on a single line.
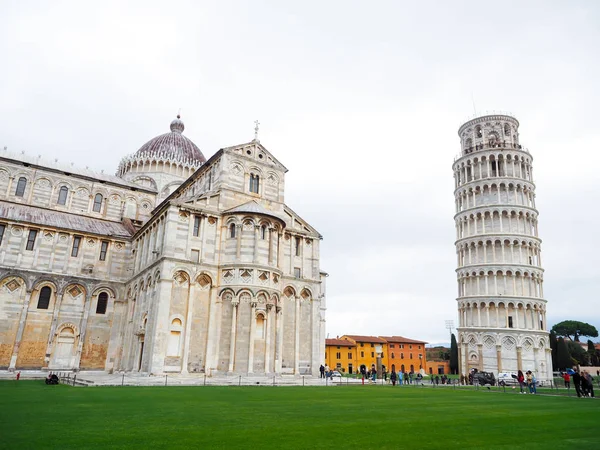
[[35, 416]]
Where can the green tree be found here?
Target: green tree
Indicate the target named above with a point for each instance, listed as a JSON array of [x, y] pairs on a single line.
[[563, 358], [578, 354], [573, 329], [592, 353], [554, 347], [453, 354]]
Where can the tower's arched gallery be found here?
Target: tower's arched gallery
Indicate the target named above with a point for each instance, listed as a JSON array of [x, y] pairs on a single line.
[[502, 311], [176, 264]]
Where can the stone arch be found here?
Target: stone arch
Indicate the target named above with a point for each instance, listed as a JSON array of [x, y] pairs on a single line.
[[181, 271], [19, 282], [104, 288], [204, 279], [289, 291], [306, 294]]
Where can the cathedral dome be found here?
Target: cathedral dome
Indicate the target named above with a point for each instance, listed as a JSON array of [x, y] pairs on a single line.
[[173, 146]]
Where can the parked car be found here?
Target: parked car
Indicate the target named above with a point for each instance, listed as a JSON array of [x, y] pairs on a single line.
[[507, 379], [484, 378], [335, 375]]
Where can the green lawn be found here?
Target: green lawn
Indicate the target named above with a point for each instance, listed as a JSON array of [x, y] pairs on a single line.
[[35, 416]]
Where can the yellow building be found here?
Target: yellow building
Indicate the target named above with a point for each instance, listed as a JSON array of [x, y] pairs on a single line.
[[340, 355], [366, 351]]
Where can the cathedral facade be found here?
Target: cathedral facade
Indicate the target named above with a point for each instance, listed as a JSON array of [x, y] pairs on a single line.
[[174, 265]]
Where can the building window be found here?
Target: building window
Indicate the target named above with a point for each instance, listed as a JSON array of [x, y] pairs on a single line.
[[401, 355], [297, 245], [196, 256], [102, 303], [392, 356], [103, 250], [44, 298], [362, 344], [21, 185], [254, 183], [297, 272], [174, 338], [401, 346], [362, 354], [338, 355], [372, 345], [510, 322], [210, 180], [372, 354], [62, 195], [349, 355], [2, 228], [76, 243], [263, 232], [410, 356], [419, 347], [392, 346], [232, 231], [31, 239], [196, 226], [97, 203]]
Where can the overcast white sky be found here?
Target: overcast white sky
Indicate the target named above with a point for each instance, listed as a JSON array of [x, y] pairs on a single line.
[[360, 100]]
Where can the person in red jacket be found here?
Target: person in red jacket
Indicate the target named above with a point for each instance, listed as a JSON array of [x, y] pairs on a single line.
[[567, 379]]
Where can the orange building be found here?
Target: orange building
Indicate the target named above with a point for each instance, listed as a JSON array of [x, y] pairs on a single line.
[[407, 355], [340, 355]]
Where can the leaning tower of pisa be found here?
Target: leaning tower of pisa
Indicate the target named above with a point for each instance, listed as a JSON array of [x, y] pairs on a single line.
[[502, 311]]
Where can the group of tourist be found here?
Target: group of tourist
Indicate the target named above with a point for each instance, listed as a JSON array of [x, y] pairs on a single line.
[[582, 381], [527, 382], [436, 380]]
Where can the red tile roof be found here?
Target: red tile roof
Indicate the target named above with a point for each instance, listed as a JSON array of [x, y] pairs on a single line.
[[401, 339], [373, 339], [339, 342]]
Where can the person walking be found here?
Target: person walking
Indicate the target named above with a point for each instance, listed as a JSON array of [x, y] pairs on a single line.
[[374, 374], [393, 377], [521, 380], [18, 375], [590, 382], [577, 382], [322, 370], [400, 378]]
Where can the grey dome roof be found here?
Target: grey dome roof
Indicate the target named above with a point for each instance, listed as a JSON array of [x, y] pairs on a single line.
[[173, 145]]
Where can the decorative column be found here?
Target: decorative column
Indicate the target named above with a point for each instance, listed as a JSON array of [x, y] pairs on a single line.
[[256, 238], [192, 288], [251, 339], [83, 331], [499, 357], [519, 358], [57, 303], [297, 336], [22, 321], [234, 303], [238, 249], [279, 339], [268, 339]]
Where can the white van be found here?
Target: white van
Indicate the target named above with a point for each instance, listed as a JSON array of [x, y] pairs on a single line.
[[507, 379]]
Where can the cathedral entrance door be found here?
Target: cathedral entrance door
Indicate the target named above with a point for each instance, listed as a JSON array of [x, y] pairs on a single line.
[[63, 352]]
